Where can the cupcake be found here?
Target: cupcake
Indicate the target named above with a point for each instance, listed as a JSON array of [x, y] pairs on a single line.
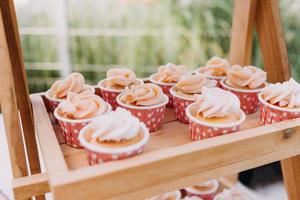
[[206, 190], [175, 195], [76, 112], [233, 194], [215, 112], [166, 77], [280, 101], [245, 82], [192, 198], [117, 79], [114, 136], [184, 91], [216, 68], [59, 90], [147, 102]]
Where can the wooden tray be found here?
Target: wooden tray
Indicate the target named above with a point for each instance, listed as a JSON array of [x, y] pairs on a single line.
[[170, 160]]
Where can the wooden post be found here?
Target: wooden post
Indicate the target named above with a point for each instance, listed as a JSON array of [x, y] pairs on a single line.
[[275, 58], [16, 96], [242, 31]]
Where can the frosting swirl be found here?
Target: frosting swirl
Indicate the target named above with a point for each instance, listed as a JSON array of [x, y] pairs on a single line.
[[217, 66], [286, 94], [72, 83], [193, 83], [118, 125], [233, 194], [143, 95], [121, 77], [82, 106], [215, 102], [248, 76], [169, 73]]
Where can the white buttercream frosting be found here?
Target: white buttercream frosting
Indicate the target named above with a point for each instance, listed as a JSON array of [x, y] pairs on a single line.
[[116, 126], [286, 94], [215, 102]]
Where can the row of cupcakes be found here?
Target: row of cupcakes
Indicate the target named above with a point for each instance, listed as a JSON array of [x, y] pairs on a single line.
[[215, 111], [209, 190]]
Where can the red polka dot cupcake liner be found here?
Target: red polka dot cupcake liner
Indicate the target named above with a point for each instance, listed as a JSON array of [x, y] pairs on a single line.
[[71, 128], [205, 195], [200, 130], [216, 78], [179, 104], [166, 87], [110, 97], [270, 114], [248, 98], [98, 155], [152, 116]]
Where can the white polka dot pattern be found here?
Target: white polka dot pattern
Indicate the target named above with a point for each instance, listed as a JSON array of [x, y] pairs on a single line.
[[110, 97], [179, 108], [200, 132], [166, 89], [249, 101]]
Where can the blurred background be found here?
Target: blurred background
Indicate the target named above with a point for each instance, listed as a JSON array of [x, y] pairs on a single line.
[[60, 36]]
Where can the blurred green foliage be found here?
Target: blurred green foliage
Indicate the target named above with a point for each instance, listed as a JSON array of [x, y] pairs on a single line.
[[185, 32]]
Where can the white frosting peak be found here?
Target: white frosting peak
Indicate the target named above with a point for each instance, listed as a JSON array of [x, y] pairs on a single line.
[[115, 126]]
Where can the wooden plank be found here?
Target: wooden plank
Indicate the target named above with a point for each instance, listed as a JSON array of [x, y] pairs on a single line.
[[275, 57], [50, 148], [9, 110], [30, 186], [242, 31], [20, 80], [176, 167], [271, 41]]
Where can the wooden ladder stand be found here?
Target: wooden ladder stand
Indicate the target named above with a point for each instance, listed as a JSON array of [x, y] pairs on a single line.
[[17, 111]]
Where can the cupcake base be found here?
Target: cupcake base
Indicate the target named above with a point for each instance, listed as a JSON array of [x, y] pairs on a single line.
[[166, 87]]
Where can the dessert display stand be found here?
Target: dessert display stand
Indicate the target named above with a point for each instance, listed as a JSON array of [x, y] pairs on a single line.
[[170, 161]]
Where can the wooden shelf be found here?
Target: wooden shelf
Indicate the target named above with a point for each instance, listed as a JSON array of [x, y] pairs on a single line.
[[172, 134], [170, 160]]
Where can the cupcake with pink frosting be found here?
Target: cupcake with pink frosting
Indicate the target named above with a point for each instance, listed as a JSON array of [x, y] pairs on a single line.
[[58, 92], [175, 195], [184, 91], [76, 112], [206, 190], [147, 102], [166, 77], [280, 101], [117, 79], [215, 112], [117, 135], [246, 82], [216, 68], [192, 198], [233, 194]]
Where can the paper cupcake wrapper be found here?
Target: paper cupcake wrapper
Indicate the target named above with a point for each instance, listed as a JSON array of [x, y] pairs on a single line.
[[98, 158], [270, 115], [70, 132], [110, 97], [200, 132], [166, 90], [152, 118], [202, 196], [98, 92], [179, 108], [249, 100], [53, 104]]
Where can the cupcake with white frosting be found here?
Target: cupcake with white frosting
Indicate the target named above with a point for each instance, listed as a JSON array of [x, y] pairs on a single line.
[[166, 77], [215, 112], [147, 102], [246, 82], [76, 112], [117, 79], [184, 91], [216, 69], [175, 195], [280, 101], [206, 190], [59, 90], [233, 194], [114, 136]]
